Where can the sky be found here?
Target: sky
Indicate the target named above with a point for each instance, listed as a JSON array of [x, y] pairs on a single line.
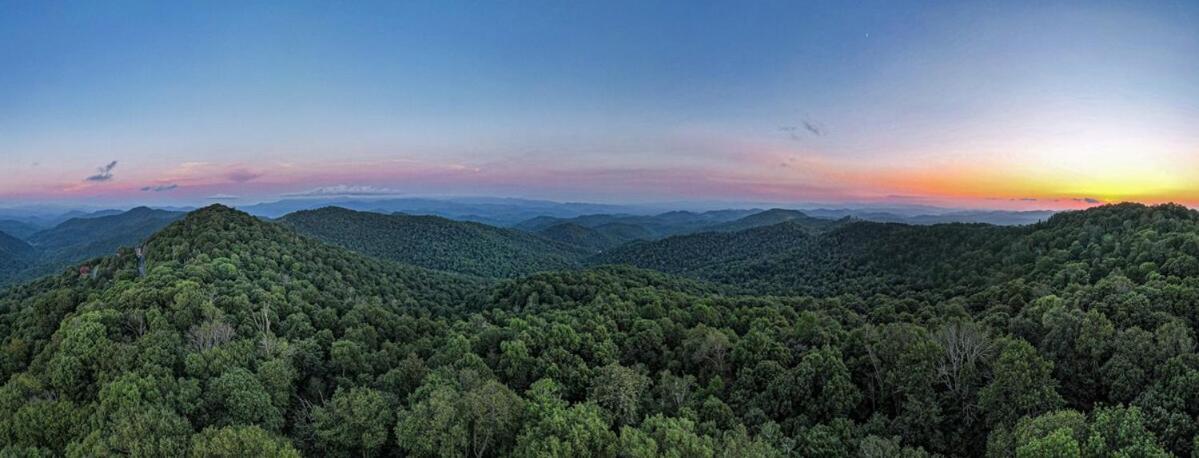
[[1013, 105]]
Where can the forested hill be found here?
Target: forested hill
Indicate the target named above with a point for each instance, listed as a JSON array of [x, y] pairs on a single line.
[[237, 322], [436, 243], [241, 246], [15, 256]]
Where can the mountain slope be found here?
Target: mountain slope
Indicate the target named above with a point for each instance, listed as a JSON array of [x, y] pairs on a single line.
[[436, 243], [18, 229], [82, 238], [15, 256]]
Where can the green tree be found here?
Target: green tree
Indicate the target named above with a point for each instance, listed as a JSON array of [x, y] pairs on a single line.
[[619, 390], [1119, 431], [1058, 444], [240, 441], [556, 429], [1022, 385], [354, 422], [237, 397]]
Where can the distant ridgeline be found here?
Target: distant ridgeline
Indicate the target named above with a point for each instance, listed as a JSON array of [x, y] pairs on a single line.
[[334, 332]]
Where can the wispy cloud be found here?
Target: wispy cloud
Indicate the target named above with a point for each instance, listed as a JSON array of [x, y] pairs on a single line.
[[160, 188], [792, 131], [813, 128], [345, 191], [103, 173], [809, 127], [223, 197]]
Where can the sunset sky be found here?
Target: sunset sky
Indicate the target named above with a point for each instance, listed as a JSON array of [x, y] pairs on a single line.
[[982, 104]]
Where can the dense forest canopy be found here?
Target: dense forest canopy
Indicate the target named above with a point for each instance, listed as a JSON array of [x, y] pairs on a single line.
[[436, 243], [595, 239], [1071, 337]]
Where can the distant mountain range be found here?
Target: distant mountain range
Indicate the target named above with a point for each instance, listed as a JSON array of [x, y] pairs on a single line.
[[661, 219], [46, 217], [487, 237], [23, 221], [996, 217], [660, 225], [494, 211]]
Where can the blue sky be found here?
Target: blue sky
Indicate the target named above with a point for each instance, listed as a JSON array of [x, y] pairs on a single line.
[[975, 103]]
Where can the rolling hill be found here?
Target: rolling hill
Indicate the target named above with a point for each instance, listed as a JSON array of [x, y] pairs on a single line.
[[436, 243]]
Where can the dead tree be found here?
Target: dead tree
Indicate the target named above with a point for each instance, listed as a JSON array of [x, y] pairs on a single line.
[[210, 334]]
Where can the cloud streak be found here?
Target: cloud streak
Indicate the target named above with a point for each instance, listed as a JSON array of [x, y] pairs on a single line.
[[797, 132], [345, 191], [160, 188], [103, 173], [813, 128]]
